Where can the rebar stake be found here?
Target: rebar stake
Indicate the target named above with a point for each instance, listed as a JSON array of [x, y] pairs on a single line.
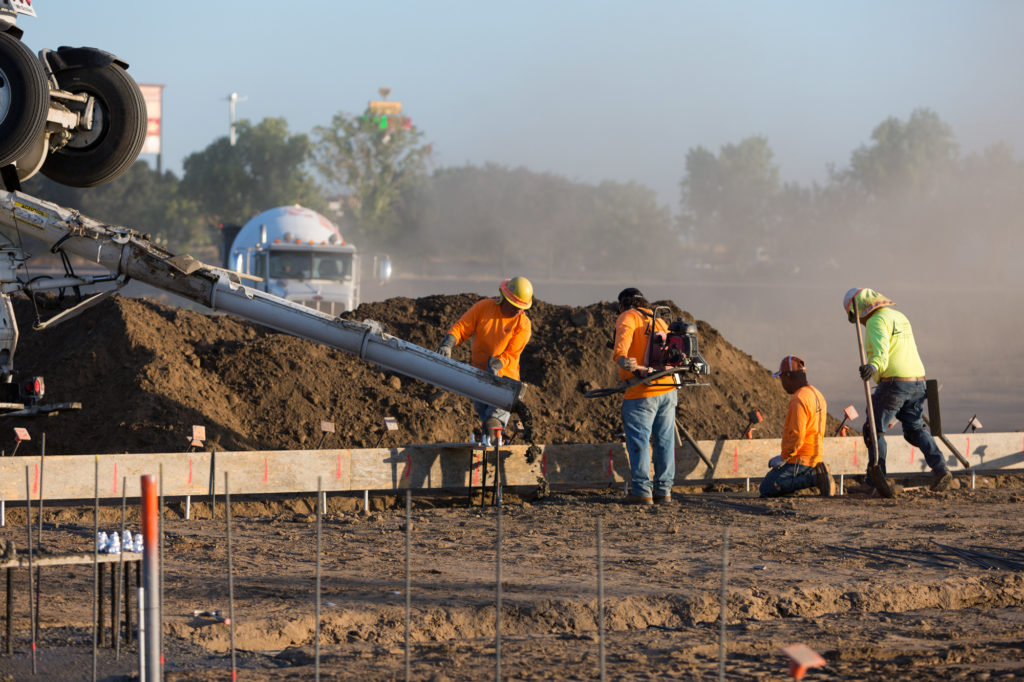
[[319, 526], [31, 586], [408, 585], [231, 577], [725, 582], [600, 598], [497, 611]]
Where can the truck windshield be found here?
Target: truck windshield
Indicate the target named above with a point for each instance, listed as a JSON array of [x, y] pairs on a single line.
[[310, 265], [335, 266]]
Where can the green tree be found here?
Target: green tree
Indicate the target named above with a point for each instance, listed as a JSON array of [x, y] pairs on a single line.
[[728, 199], [141, 199], [373, 162], [267, 167], [904, 156]]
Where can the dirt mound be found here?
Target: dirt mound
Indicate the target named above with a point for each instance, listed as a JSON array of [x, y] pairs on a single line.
[[145, 372]]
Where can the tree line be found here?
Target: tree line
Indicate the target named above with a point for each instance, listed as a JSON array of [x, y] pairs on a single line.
[[908, 198]]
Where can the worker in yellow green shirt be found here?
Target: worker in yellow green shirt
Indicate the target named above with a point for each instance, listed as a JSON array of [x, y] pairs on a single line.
[[893, 362]]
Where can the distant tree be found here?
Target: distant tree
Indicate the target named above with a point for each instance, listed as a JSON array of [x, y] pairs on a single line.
[[728, 199], [141, 199], [267, 167], [538, 223], [372, 162], [904, 156]]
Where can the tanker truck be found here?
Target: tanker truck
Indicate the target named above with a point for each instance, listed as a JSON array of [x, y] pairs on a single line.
[[299, 255]]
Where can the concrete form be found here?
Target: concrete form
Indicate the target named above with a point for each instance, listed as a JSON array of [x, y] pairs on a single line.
[[458, 465]]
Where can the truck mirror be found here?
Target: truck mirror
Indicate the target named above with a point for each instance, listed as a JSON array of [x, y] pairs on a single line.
[[383, 269]]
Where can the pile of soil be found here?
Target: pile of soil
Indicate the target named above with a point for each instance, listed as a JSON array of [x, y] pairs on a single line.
[[146, 372]]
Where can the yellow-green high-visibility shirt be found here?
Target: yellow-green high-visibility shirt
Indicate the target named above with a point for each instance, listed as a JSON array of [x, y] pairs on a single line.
[[889, 343]]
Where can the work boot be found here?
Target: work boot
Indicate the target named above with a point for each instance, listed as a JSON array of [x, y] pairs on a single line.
[[663, 499], [638, 499], [826, 484], [940, 481]]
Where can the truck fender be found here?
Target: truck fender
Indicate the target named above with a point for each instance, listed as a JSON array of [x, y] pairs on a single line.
[[65, 58]]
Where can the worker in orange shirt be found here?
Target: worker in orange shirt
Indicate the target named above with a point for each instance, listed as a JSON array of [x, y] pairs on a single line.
[[500, 330], [648, 410], [803, 437]]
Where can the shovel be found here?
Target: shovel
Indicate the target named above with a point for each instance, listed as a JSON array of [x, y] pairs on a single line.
[[874, 471]]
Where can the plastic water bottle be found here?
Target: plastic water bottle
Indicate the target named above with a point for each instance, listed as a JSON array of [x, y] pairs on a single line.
[[126, 540], [115, 544], [102, 542], [472, 438], [138, 543], [485, 440]]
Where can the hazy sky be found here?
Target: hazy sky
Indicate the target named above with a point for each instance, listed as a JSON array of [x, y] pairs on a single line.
[[591, 90]]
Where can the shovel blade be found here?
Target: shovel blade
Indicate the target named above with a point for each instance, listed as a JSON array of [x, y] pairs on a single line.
[[878, 480]]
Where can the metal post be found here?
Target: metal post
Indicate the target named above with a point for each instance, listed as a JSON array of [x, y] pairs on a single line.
[[600, 598], [408, 584], [972, 480], [231, 576], [116, 630], [31, 610], [319, 545], [10, 613], [150, 579], [3, 513], [141, 599], [188, 507], [42, 463], [100, 610], [366, 501], [721, 627], [840, 484], [497, 611]]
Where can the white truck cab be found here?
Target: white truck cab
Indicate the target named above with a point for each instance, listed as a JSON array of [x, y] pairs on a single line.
[[299, 255]]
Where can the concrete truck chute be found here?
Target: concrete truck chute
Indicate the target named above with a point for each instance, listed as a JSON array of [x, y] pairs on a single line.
[[299, 255]]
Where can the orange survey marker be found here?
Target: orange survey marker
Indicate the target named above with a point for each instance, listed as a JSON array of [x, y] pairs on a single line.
[[801, 657]]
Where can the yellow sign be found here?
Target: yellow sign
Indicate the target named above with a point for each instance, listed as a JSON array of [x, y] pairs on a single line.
[[385, 107]]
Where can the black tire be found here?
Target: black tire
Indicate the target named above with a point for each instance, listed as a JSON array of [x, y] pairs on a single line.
[[93, 157], [24, 99]]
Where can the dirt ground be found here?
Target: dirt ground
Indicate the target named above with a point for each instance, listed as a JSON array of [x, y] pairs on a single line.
[[145, 372], [796, 573]]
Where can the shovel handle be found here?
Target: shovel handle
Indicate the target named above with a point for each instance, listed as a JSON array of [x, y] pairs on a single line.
[[873, 441]]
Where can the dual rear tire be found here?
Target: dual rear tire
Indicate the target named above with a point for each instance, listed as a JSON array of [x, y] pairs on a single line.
[[91, 156]]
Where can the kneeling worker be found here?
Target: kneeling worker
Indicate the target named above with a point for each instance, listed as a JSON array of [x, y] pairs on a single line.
[[500, 330], [803, 437]]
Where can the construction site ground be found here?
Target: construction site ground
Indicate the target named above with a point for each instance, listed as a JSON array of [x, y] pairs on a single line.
[[797, 569], [792, 577]]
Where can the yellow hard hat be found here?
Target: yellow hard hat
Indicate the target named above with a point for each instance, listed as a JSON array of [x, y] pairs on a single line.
[[518, 291]]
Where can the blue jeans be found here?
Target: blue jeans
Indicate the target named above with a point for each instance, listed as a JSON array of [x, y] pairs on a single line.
[[788, 478], [651, 422], [485, 412], [903, 400]]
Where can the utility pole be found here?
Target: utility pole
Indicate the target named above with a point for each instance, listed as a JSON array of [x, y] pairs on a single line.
[[232, 99]]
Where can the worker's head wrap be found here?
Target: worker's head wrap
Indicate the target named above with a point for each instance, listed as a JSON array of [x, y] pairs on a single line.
[[867, 300], [631, 297]]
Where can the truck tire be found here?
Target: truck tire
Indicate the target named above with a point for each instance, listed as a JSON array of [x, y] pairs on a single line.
[[24, 99], [93, 157]]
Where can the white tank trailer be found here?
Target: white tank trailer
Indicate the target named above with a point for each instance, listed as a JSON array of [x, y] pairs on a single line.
[[299, 255]]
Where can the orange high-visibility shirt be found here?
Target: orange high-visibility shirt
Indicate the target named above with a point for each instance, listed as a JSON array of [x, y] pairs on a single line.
[[631, 337], [803, 435], [494, 335]]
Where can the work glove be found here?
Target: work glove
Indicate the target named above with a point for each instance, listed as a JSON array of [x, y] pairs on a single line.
[[494, 365], [776, 461], [867, 371], [627, 363], [446, 346]]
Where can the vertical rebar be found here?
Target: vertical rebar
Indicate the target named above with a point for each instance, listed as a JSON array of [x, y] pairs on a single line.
[[497, 468], [10, 612], [497, 611], [151, 578], [319, 545], [725, 582], [231, 577], [31, 586], [95, 562], [42, 463], [600, 598], [408, 584], [120, 573]]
